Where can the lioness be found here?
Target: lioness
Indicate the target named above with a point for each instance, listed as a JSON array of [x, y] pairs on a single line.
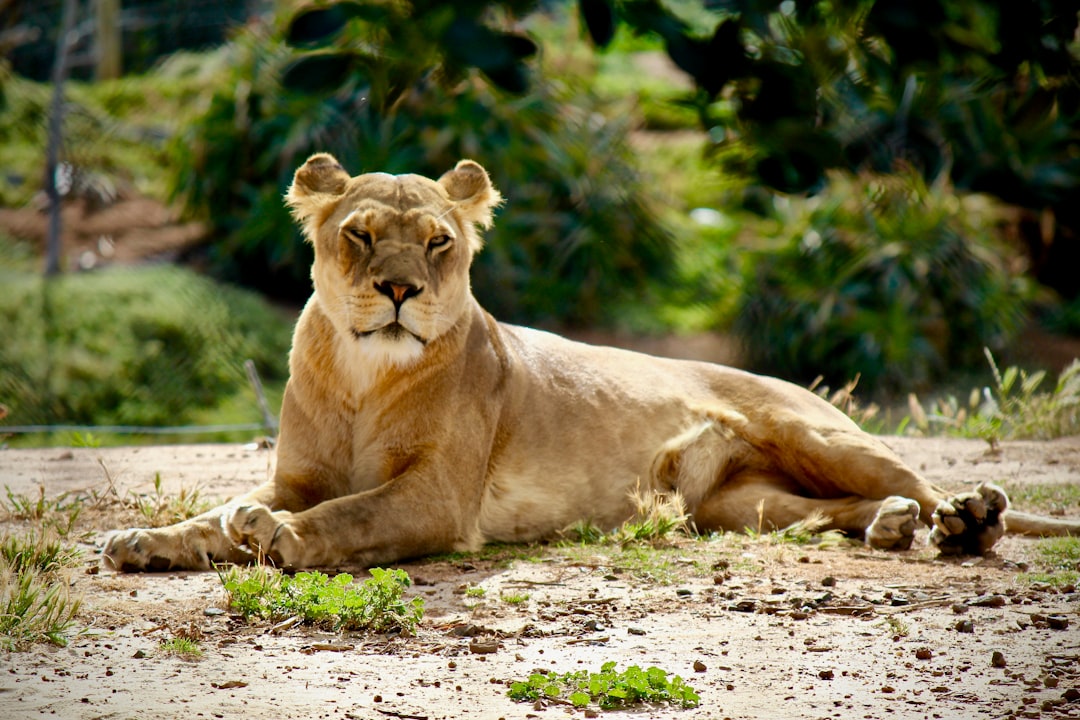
[[414, 423]]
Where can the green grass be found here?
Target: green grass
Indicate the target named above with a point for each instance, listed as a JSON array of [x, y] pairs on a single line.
[[183, 647], [36, 552], [610, 689], [1042, 497], [35, 605], [57, 513], [1057, 562], [475, 592], [374, 605], [159, 509]]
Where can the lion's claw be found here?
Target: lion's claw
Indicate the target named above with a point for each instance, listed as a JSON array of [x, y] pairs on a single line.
[[265, 533]]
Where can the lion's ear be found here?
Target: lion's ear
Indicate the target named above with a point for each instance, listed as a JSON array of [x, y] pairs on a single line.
[[469, 186], [319, 179]]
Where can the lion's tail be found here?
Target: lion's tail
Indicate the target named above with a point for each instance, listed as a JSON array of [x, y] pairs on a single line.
[[1022, 523]]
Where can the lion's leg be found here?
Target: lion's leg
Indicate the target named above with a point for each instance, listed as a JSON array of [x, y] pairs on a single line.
[[194, 544], [414, 514], [764, 501]]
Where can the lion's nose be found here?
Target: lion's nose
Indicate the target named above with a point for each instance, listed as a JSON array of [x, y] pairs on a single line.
[[398, 292]]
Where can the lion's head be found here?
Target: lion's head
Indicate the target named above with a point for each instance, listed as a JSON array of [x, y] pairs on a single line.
[[392, 252]]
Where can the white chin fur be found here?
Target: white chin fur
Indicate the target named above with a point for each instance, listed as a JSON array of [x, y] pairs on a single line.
[[386, 352]]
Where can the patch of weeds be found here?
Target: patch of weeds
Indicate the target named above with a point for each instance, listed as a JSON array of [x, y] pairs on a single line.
[[657, 516], [584, 532], [36, 553], [375, 605], [34, 609], [1058, 561], [159, 509], [807, 531], [1043, 496], [514, 598], [58, 513], [1012, 409], [183, 647], [895, 626], [609, 689], [645, 563], [475, 592]]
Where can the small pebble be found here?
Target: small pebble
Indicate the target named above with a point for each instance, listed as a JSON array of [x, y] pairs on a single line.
[[699, 666], [924, 653], [965, 626], [997, 659], [825, 674]]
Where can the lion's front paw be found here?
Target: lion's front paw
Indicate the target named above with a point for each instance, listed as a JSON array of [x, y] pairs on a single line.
[[139, 550], [893, 527], [265, 533], [970, 523]]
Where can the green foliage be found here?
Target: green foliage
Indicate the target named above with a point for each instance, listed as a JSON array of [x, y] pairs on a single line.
[[579, 234], [145, 346], [610, 689], [878, 277], [1012, 408], [982, 92], [114, 132], [375, 605]]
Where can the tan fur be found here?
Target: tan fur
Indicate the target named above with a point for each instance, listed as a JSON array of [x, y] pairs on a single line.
[[415, 423]]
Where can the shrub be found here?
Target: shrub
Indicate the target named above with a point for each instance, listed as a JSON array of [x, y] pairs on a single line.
[[877, 277], [141, 346]]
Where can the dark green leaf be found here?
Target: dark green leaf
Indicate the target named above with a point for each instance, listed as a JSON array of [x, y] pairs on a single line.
[[318, 73], [599, 17]]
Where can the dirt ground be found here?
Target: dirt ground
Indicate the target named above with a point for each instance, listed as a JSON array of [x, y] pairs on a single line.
[[760, 629]]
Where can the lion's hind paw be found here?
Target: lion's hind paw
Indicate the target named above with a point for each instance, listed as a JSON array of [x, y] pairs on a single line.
[[970, 523], [893, 527]]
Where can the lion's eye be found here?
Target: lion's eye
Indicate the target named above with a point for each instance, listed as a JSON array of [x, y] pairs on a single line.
[[360, 237], [439, 241]]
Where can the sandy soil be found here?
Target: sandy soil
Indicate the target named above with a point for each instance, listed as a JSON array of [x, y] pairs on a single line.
[[760, 629]]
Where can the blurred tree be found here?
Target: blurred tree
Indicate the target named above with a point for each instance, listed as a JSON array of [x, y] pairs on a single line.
[[414, 88], [985, 92]]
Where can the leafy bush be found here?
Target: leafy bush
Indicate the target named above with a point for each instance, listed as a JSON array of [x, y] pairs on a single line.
[[1012, 408], [375, 605], [877, 277], [578, 233], [144, 346]]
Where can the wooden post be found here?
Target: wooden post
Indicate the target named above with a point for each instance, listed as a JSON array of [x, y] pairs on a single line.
[[107, 39]]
